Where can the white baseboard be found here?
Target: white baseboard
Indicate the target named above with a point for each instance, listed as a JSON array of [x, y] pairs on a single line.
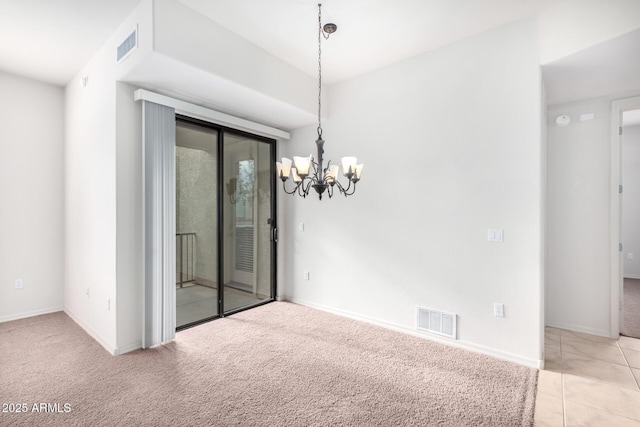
[[578, 328], [532, 363], [25, 314], [127, 348], [96, 336]]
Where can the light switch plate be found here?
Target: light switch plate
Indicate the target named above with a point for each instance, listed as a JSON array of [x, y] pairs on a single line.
[[495, 235]]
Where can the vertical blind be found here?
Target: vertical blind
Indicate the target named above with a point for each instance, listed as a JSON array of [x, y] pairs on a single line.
[[158, 141]]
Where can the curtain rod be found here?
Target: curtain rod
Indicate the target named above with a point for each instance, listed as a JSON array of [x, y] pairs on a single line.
[[207, 114]]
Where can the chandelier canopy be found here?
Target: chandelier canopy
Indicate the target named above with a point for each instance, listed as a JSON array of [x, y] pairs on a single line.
[[308, 173]]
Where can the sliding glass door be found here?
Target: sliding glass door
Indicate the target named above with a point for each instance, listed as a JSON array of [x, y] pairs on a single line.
[[225, 214], [247, 221]]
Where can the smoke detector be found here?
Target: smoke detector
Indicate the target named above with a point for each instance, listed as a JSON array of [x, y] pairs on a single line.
[[562, 120]]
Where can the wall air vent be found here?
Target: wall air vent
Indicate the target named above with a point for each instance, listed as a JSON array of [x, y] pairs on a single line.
[[127, 46], [436, 322]]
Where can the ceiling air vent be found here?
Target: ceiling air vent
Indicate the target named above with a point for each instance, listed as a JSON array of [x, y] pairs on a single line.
[[128, 45], [437, 322]]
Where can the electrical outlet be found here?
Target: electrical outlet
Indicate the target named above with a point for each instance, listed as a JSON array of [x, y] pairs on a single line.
[[19, 284], [629, 255], [301, 226], [306, 275], [498, 309], [108, 304]]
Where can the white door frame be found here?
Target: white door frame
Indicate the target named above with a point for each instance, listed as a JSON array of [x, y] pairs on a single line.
[[615, 224]]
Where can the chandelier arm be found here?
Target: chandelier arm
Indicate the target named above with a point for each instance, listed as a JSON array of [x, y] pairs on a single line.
[[330, 191], [302, 191], [284, 187], [306, 190], [342, 189], [346, 193]]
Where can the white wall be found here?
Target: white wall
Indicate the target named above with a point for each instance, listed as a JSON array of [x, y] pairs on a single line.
[[631, 200], [90, 189], [578, 290], [31, 185], [451, 143], [103, 184]]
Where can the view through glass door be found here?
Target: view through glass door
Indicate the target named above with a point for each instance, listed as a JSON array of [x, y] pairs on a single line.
[[247, 221], [196, 223], [224, 216]]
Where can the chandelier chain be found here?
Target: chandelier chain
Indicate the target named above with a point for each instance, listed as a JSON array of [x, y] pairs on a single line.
[[319, 67]]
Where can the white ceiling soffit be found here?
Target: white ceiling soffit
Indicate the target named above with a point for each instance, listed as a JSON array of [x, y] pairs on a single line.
[[50, 40], [371, 33], [631, 118], [176, 79], [607, 68]]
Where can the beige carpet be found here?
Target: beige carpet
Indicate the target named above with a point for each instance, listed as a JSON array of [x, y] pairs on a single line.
[[279, 364], [631, 324]]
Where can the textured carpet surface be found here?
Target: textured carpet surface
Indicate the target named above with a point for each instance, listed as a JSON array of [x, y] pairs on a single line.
[[279, 364], [631, 324]]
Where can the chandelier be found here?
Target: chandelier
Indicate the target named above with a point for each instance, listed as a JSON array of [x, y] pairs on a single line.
[[308, 173]]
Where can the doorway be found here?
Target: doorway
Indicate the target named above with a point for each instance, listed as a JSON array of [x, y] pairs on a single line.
[[630, 225], [225, 216], [622, 193]]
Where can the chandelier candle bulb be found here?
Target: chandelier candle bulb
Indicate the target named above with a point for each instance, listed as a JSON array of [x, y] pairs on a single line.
[[332, 173], [358, 172], [296, 177], [286, 167], [349, 166], [302, 165]]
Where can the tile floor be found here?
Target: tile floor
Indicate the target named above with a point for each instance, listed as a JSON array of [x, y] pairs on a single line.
[[588, 381], [197, 302]]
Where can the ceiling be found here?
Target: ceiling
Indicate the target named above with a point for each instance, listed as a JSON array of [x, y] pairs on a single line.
[[52, 39], [611, 67], [371, 33]]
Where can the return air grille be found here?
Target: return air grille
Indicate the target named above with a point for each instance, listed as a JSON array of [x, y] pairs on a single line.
[[437, 322], [128, 45]]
